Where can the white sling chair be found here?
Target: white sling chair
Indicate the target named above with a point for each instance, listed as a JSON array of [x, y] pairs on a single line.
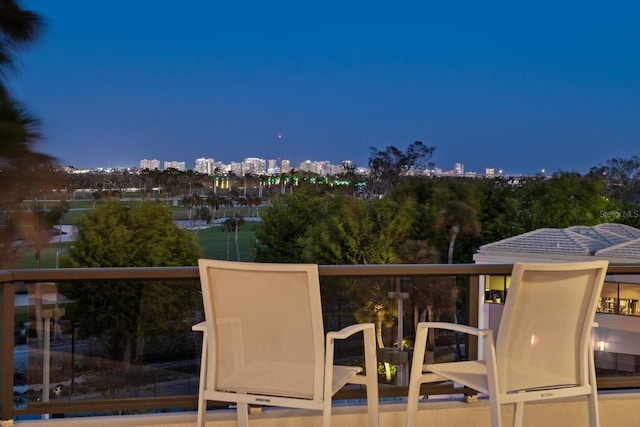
[[264, 341], [543, 349]]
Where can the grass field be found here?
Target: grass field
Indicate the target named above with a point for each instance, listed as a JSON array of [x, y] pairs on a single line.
[[80, 207], [212, 240], [47, 257]]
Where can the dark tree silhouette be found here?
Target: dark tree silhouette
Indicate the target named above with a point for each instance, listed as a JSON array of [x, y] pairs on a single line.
[[388, 166]]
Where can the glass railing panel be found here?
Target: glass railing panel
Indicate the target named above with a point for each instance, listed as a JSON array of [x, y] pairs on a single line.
[[395, 305], [106, 340], [441, 299], [615, 353], [366, 300]]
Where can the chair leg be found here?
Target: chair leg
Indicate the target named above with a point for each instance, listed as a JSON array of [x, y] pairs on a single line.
[[326, 412], [371, 367], [373, 407], [415, 376], [594, 419], [202, 402], [496, 417], [242, 414], [592, 399], [412, 403], [202, 410], [518, 412]]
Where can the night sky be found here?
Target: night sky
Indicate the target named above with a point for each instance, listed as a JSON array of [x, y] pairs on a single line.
[[518, 86]]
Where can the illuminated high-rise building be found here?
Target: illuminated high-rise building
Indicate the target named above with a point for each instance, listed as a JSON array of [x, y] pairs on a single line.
[[150, 164], [181, 166], [205, 165], [254, 166]]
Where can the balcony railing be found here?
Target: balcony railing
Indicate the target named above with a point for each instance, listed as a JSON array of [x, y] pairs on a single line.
[[59, 358]]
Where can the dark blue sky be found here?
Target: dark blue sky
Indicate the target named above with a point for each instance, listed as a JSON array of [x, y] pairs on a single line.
[[518, 86]]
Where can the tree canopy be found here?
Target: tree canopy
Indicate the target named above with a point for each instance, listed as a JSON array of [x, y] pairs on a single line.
[[622, 178], [137, 234], [134, 234], [18, 27], [389, 165], [280, 236]]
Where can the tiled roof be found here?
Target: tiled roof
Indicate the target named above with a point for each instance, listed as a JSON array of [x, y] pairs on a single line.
[[619, 229], [603, 240], [593, 233], [630, 249], [543, 240], [608, 235], [593, 243]]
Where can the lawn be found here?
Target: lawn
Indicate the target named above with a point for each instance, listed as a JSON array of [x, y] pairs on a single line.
[[78, 208], [212, 240], [48, 256]]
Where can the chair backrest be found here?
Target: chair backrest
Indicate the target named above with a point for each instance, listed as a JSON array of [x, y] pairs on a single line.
[[263, 320], [545, 330]]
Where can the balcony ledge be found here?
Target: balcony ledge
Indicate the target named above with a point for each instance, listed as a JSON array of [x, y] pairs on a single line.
[[616, 409]]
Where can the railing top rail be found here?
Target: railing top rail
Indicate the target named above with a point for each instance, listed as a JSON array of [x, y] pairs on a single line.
[[441, 269], [414, 269], [191, 273], [102, 273]]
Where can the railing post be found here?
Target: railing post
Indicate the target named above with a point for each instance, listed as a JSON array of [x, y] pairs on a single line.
[[7, 320], [473, 305]]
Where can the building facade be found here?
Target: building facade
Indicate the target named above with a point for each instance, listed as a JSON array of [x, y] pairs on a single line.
[[150, 164], [205, 165], [181, 166], [617, 337]]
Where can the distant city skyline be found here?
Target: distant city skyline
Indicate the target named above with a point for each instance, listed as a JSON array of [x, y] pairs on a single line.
[[515, 86], [457, 167], [259, 166]]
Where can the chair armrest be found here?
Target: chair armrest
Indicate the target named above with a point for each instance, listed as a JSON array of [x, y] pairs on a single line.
[[200, 327], [349, 330], [469, 330]]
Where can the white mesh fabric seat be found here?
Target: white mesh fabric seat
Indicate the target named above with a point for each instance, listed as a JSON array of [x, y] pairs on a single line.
[[543, 349], [264, 341]]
